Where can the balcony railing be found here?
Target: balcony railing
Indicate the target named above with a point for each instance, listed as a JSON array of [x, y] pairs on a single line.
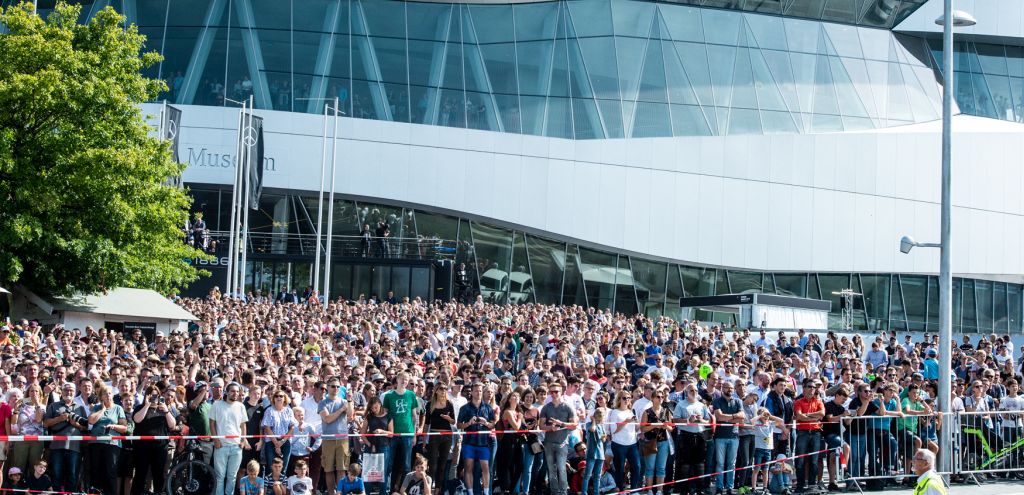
[[422, 248]]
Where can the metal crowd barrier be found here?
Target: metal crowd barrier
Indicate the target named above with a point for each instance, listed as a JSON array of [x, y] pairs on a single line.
[[882, 447], [990, 442]]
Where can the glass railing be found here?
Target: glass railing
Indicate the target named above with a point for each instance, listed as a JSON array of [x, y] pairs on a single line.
[[420, 248]]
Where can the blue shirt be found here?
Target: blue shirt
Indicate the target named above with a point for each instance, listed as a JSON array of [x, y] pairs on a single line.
[[931, 369], [470, 410], [346, 486]]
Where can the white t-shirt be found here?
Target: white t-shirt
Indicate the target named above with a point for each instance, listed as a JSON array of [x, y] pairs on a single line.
[[310, 406], [1012, 404], [229, 419], [641, 405], [300, 486], [627, 435]]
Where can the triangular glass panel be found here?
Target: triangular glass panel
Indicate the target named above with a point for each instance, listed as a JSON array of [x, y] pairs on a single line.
[[559, 122], [491, 23], [532, 111], [611, 114], [849, 100], [778, 122], [744, 121], [898, 103], [802, 35], [768, 96], [764, 6], [689, 120], [782, 72], [559, 71], [679, 89], [684, 23], [632, 18], [743, 94], [476, 74], [721, 26], [857, 123], [847, 11], [560, 24], [858, 74], [628, 110], [363, 60], [803, 77], [766, 32], [878, 75], [919, 102], [591, 18], [652, 81], [651, 120], [843, 40], [453, 77], [535, 21], [983, 97], [821, 123], [823, 45], [579, 80], [499, 59], [586, 119], [722, 115], [694, 58], [824, 91], [599, 58], [630, 53], [721, 72]]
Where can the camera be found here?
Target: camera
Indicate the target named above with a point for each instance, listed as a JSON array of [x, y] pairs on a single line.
[[75, 418]]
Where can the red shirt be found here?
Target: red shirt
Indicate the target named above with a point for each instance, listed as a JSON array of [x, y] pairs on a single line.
[[806, 405]]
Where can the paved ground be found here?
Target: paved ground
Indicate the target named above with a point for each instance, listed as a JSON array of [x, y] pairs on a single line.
[[988, 487]]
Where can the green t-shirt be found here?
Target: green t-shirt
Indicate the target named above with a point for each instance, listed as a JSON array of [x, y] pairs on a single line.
[[909, 422], [199, 420], [401, 407]]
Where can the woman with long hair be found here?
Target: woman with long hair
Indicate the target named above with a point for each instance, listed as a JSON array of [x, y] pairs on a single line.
[[532, 460], [378, 422], [106, 418], [656, 431], [440, 419], [28, 420], [624, 442], [278, 423], [510, 463]]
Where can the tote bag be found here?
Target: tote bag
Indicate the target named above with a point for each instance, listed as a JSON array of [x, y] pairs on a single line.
[[373, 467]]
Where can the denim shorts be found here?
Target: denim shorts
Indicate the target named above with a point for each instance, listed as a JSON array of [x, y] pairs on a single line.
[[762, 456], [833, 441]]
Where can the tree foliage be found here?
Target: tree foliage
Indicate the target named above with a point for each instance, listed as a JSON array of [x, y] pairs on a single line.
[[83, 201]]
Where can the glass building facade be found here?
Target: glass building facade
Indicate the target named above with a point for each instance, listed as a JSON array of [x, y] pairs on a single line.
[[509, 265], [989, 78], [581, 69]]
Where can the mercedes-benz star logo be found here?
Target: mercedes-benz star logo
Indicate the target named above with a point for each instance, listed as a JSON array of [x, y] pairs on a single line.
[[249, 136], [172, 129]]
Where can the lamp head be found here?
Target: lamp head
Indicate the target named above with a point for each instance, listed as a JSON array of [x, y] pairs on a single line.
[[906, 244], [960, 19]]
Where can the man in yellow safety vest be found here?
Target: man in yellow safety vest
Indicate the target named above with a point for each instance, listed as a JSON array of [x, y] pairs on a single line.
[[928, 482]]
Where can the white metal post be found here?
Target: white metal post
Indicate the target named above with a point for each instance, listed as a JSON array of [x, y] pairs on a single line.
[[320, 206], [330, 210], [232, 228], [945, 273]]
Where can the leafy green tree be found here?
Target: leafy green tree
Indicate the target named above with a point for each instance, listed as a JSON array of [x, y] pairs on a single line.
[[83, 201]]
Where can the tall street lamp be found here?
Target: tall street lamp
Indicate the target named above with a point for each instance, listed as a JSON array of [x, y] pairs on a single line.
[[949, 19]]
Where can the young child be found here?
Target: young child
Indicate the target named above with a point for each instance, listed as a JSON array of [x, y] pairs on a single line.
[[763, 425], [275, 482], [251, 484], [417, 482], [595, 438], [351, 483], [38, 480], [299, 483], [781, 472], [14, 480]]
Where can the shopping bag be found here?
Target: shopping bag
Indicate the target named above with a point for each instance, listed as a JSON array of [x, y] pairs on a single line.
[[373, 468]]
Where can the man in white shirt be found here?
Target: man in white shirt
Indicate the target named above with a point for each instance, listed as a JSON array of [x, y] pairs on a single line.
[[228, 417]]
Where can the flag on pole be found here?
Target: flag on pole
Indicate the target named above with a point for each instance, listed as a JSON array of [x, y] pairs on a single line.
[[170, 127], [252, 142]]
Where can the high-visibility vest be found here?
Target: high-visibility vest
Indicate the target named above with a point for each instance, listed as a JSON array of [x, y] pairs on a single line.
[[930, 484]]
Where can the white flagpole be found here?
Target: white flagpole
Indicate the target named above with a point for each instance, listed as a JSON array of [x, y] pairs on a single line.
[[232, 228], [320, 206], [330, 210], [248, 195]]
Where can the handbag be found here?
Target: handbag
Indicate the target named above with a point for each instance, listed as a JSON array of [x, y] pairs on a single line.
[[536, 447], [373, 467], [649, 447]]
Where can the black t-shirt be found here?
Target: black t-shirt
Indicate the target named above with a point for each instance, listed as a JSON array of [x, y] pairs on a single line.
[[436, 422], [861, 425], [832, 411], [726, 406]]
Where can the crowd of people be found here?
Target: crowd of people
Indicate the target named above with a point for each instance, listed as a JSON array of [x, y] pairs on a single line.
[[397, 396]]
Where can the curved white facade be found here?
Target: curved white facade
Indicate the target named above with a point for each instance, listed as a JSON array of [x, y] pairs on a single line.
[[797, 202]]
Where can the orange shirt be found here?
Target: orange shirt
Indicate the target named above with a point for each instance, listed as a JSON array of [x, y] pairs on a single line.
[[806, 405]]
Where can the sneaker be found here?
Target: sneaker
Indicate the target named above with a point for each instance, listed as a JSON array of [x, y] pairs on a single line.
[[832, 487]]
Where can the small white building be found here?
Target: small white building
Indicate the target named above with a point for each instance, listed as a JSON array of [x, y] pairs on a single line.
[[119, 309]]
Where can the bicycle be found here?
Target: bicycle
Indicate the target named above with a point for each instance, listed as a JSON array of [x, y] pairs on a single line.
[[189, 474]]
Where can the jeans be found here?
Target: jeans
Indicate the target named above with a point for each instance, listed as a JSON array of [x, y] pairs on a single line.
[[269, 455], [401, 456], [226, 461], [64, 464], [858, 454], [744, 458], [592, 473], [386, 482], [654, 464], [554, 456], [807, 441], [530, 462], [725, 461], [620, 455]]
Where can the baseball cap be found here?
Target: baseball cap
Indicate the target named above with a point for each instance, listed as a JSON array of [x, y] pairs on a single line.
[[931, 352], [13, 471]]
